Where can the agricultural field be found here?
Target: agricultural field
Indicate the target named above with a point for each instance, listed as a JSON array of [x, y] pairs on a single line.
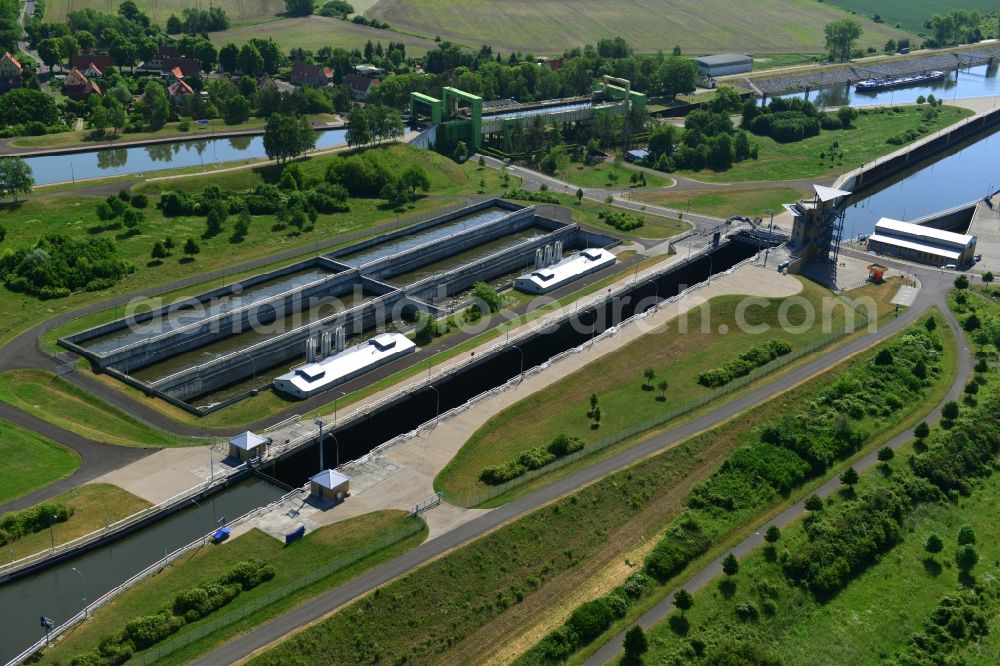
[[816, 156], [29, 462], [291, 563], [73, 213], [159, 11], [910, 14], [548, 27], [315, 32]]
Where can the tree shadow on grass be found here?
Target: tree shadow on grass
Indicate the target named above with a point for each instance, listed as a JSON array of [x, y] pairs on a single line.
[[932, 566], [728, 588], [185, 260], [679, 624]]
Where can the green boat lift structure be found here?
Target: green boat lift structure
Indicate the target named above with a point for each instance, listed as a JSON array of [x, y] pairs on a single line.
[[459, 116]]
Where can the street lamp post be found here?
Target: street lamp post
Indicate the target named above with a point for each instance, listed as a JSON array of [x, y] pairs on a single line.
[[437, 409], [336, 443], [86, 605], [318, 421], [335, 406], [521, 373], [205, 535]]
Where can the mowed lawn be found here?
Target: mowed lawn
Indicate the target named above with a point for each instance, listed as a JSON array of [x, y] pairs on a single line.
[[551, 26], [75, 214], [601, 175], [55, 400], [92, 505], [206, 564], [723, 202], [29, 462], [315, 32], [586, 212], [862, 143], [911, 14], [617, 379], [876, 613]]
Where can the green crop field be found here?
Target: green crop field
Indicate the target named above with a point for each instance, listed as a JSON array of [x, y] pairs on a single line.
[[910, 14], [29, 462], [315, 32], [551, 26]]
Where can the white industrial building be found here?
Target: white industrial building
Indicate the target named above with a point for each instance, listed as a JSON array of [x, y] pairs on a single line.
[[924, 244], [545, 278], [316, 376], [723, 64]]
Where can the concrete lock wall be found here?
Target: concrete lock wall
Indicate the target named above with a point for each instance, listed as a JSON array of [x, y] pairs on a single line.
[[512, 259], [433, 222], [443, 248], [878, 171], [227, 324], [240, 365], [199, 300]]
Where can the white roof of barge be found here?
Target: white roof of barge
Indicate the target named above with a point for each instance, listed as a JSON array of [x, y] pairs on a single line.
[[922, 233]]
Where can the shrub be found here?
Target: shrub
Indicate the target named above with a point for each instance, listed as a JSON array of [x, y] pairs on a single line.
[[534, 458], [526, 195], [590, 620], [682, 543], [16, 524], [57, 265], [744, 364], [621, 221], [147, 630]]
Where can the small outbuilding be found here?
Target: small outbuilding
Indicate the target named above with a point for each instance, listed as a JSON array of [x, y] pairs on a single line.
[[330, 485], [246, 445], [636, 154], [723, 64]]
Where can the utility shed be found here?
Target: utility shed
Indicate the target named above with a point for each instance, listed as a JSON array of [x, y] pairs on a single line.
[[917, 242], [723, 64], [330, 485], [245, 445]]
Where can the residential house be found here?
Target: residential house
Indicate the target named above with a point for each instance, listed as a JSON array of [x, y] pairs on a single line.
[[92, 71], [77, 86], [180, 91], [10, 73], [267, 84], [361, 86], [164, 52], [85, 60], [189, 68], [305, 74]]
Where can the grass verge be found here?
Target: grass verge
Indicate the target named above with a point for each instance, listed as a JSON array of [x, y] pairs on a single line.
[[55, 400], [312, 552], [29, 462], [721, 203], [94, 505]]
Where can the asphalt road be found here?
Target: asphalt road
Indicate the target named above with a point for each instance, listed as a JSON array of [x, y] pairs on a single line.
[[938, 289], [329, 601]]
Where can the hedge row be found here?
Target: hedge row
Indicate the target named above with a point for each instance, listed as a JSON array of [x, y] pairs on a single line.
[[535, 458], [526, 195], [17, 524], [188, 605], [588, 621], [620, 221], [744, 364], [58, 265]]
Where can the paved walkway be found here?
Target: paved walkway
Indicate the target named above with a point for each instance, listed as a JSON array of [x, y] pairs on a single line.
[[700, 580]]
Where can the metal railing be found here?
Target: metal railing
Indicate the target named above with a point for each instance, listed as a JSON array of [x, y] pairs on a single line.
[[153, 568], [216, 478]]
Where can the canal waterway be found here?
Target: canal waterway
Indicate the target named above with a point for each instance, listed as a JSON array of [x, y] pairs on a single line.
[[57, 592], [190, 313], [960, 175], [977, 81], [139, 160]]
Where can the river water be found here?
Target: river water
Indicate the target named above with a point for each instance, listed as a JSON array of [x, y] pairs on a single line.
[[57, 592], [978, 81], [945, 180], [138, 160]]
